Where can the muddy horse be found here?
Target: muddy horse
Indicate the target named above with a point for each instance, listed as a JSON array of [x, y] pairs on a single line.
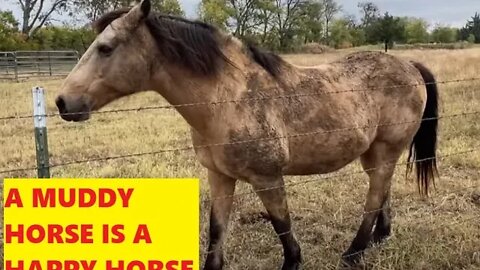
[[287, 120]]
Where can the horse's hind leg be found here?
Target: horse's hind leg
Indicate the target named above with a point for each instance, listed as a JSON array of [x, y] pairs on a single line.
[[272, 193], [379, 163], [221, 189], [383, 226]]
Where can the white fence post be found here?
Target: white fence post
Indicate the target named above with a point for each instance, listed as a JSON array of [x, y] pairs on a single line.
[[41, 140]]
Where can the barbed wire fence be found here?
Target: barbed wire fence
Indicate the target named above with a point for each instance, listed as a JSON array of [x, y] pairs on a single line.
[[40, 115]]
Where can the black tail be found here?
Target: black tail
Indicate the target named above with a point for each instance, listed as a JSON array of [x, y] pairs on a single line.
[[423, 148]]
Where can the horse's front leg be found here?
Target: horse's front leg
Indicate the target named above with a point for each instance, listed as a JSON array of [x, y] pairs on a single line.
[[222, 188], [272, 193]]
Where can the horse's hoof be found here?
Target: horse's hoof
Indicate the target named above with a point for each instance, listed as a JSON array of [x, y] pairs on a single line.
[[380, 235], [213, 263], [291, 266], [379, 238], [352, 260]]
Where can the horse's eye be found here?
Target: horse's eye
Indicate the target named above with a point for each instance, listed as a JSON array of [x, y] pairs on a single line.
[[105, 50]]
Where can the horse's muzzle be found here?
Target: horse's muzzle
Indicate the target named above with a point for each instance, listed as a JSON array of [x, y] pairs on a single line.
[[72, 110]]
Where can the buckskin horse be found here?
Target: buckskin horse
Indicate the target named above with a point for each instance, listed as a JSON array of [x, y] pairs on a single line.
[[288, 120]]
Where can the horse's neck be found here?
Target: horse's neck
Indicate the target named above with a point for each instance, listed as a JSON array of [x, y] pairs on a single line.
[[193, 96]]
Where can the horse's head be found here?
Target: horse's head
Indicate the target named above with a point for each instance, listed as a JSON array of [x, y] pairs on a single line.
[[115, 65]]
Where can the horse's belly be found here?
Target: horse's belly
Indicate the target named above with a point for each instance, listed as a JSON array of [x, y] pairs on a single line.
[[326, 153]]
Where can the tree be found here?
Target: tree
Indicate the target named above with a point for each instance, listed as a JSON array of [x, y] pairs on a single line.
[[443, 34], [471, 28], [35, 13], [340, 34], [416, 30], [93, 9], [63, 38], [358, 36], [346, 33], [9, 37], [242, 12], [370, 13], [288, 18], [170, 7], [265, 13], [389, 29], [330, 9], [214, 12], [471, 38], [311, 25]]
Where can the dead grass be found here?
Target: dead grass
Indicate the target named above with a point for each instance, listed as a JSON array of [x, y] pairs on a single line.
[[440, 233]]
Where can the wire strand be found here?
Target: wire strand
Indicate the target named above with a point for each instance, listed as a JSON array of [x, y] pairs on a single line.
[[239, 100], [188, 148]]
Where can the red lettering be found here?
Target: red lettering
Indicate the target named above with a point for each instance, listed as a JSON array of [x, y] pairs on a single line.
[[155, 265], [35, 265], [9, 265], [86, 233], [88, 265], [72, 265], [72, 235], [13, 197], [117, 230], [43, 200], [62, 198], [142, 234], [9, 234], [125, 196], [187, 265], [52, 233], [54, 265], [171, 265], [138, 264], [83, 194], [31, 231], [102, 201], [55, 234], [120, 266], [105, 233]]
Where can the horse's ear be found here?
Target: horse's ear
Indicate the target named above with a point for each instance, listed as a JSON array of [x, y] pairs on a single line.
[[139, 12], [146, 6]]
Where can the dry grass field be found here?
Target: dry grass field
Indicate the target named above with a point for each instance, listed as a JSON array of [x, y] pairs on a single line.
[[442, 232]]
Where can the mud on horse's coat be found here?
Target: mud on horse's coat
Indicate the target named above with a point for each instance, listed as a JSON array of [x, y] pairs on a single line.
[[193, 62]]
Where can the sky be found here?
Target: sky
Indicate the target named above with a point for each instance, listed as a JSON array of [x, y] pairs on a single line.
[[446, 12]]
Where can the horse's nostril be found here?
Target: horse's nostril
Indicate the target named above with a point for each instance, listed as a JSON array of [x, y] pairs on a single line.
[[60, 104]]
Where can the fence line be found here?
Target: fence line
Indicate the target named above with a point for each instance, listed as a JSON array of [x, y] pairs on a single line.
[[369, 212], [188, 148], [321, 176], [472, 150], [24, 64], [243, 100]]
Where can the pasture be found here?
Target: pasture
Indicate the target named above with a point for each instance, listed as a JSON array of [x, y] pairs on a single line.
[[441, 232]]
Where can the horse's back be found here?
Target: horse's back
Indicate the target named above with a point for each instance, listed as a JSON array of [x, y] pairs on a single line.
[[356, 100]]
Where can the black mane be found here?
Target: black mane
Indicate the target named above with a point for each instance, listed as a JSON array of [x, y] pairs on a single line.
[[193, 44]]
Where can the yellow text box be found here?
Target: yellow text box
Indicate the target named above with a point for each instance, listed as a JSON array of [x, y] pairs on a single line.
[[101, 224]]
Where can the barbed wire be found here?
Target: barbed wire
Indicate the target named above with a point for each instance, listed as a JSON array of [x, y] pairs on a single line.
[[244, 100], [351, 218], [472, 150], [475, 217], [272, 138], [187, 148]]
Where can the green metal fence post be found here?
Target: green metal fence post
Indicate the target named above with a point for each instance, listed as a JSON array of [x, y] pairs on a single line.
[[41, 140]]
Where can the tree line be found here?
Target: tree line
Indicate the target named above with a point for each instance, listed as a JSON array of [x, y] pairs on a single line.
[[279, 25]]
